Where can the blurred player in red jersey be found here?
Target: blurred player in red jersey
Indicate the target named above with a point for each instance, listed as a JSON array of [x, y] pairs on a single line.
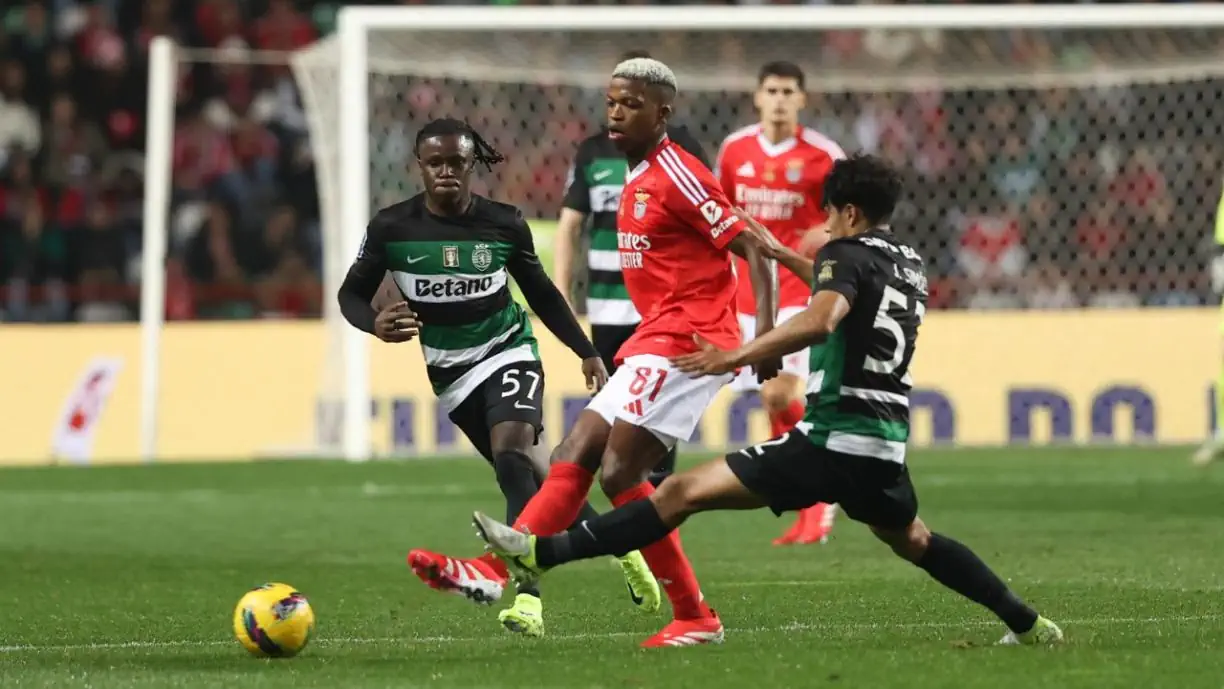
[[775, 172], [676, 233]]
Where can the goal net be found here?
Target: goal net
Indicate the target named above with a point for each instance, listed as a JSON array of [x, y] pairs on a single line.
[[1052, 162]]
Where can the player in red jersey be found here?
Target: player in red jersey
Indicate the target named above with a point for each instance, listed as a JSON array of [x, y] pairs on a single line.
[[677, 232], [775, 171]]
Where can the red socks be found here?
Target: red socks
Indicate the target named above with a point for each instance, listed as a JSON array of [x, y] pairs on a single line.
[[557, 504], [669, 564], [783, 421], [552, 509]]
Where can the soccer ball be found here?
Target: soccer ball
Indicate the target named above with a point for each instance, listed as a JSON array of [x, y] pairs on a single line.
[[274, 621]]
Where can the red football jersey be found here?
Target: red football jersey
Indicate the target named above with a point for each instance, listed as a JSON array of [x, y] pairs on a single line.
[[672, 230], [780, 185]]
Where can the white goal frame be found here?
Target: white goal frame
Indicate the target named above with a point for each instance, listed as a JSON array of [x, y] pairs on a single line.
[[355, 23]]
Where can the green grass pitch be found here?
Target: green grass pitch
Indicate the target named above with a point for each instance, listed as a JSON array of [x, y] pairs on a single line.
[[126, 577]]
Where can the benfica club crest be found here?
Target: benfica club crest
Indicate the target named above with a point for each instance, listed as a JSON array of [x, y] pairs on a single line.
[[482, 257], [639, 204], [794, 171]]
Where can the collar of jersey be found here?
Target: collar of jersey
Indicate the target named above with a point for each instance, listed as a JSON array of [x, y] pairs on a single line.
[[642, 166]]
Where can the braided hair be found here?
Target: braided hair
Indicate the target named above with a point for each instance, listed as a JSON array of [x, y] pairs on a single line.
[[484, 153]]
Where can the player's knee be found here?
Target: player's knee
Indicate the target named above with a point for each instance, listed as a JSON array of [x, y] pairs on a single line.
[[777, 393], [513, 437], [909, 542], [511, 466], [583, 445], [617, 476], [677, 498]]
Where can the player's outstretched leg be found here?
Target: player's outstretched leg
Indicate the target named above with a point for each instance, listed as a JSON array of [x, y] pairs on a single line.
[[955, 566], [638, 524], [562, 496]]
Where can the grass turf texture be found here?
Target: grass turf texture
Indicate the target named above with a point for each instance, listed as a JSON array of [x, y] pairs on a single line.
[[126, 577]]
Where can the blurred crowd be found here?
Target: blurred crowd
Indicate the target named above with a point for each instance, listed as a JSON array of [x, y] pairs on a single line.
[[1030, 185]]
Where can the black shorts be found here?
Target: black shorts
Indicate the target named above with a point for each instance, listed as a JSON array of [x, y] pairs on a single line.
[[608, 340], [791, 472], [514, 392]]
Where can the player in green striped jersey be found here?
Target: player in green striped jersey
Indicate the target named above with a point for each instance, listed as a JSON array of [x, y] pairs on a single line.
[[868, 292], [1213, 449], [451, 254]]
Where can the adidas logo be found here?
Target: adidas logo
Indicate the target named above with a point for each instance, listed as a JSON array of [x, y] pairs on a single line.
[[634, 407], [746, 170]]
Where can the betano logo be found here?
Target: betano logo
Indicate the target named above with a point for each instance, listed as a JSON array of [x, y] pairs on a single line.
[[449, 288]]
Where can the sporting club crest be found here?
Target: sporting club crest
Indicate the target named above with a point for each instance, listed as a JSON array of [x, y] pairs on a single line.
[[639, 205], [482, 257], [450, 256], [794, 170]]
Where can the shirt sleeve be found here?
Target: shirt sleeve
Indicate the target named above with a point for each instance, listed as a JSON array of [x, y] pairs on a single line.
[[695, 197], [542, 294], [577, 190], [840, 267], [363, 279]]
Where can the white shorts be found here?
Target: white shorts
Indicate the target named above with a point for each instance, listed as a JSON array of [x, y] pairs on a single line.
[[795, 363], [648, 392]]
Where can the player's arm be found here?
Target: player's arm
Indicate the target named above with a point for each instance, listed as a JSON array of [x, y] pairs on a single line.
[[838, 280], [543, 296], [574, 210], [395, 323], [754, 248], [790, 259]]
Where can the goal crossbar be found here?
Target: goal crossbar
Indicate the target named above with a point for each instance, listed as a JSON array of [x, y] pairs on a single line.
[[779, 17]]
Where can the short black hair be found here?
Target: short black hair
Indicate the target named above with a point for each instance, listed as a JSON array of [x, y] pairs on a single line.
[[865, 182], [784, 69], [448, 126], [630, 54]]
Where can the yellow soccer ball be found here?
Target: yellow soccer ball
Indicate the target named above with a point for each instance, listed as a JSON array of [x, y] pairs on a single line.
[[274, 621]]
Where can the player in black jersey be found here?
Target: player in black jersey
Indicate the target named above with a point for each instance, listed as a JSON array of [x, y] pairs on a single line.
[[450, 253], [869, 289]]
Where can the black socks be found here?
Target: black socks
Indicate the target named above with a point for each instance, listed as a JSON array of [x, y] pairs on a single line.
[[624, 529], [952, 564]]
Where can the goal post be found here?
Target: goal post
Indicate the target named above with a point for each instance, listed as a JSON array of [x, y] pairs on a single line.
[[533, 76]]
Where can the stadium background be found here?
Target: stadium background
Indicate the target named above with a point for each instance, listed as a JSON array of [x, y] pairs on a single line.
[[1067, 228]]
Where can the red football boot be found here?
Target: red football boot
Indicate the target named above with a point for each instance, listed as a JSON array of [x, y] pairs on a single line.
[[817, 525], [705, 630], [472, 578], [812, 525]]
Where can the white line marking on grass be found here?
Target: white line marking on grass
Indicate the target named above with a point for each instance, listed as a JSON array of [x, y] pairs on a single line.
[[212, 495], [427, 640]]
